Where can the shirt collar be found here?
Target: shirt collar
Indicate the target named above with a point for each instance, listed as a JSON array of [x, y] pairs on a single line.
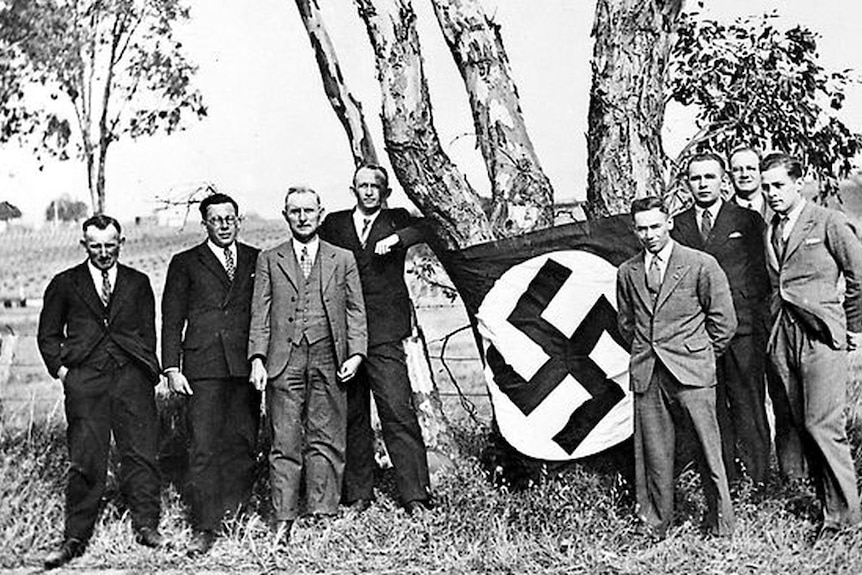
[[663, 254], [359, 218], [792, 216], [713, 210], [219, 251], [755, 203], [96, 274], [313, 244]]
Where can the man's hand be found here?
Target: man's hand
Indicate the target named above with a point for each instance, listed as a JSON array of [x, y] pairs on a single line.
[[257, 377], [178, 383], [349, 368], [62, 373], [854, 340], [385, 245]]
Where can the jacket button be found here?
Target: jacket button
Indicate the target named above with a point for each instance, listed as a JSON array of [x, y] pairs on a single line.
[[290, 320]]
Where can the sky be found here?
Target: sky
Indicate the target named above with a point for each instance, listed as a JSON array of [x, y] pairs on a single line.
[[270, 126]]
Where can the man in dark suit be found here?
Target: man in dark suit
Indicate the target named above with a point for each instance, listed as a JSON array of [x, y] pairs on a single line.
[[734, 236], [745, 177], [97, 336], [206, 309], [809, 248], [306, 342], [676, 313], [379, 239]]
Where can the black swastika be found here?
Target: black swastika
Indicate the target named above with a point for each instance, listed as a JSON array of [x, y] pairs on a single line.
[[567, 356]]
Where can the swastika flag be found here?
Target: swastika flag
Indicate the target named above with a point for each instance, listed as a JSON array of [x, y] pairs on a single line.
[[543, 306]]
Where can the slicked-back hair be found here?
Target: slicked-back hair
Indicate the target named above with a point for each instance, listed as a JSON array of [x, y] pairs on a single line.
[[301, 190], [214, 199], [744, 148], [101, 222], [648, 203], [377, 168], [781, 160], [705, 157]]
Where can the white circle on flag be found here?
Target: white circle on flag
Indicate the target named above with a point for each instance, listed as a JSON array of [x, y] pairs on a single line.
[[591, 278]]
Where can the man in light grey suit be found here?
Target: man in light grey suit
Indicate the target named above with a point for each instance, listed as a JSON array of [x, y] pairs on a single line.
[[307, 340], [808, 249], [676, 313]]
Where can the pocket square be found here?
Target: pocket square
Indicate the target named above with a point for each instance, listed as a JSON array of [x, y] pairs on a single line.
[[812, 241], [734, 235]]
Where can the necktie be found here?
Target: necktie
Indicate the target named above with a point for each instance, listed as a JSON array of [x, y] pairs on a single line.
[[105, 294], [778, 237], [305, 262], [705, 224], [229, 265], [363, 235], [653, 277]]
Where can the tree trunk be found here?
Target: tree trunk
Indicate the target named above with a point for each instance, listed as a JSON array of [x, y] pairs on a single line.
[[523, 199], [627, 102], [425, 171], [346, 106]]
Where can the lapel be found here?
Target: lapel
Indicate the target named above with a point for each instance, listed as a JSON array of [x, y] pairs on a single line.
[[121, 291], [686, 228], [803, 226], [380, 229], [638, 271], [288, 264], [351, 237], [87, 291], [326, 260], [243, 265], [675, 271], [210, 261], [771, 256], [722, 226]]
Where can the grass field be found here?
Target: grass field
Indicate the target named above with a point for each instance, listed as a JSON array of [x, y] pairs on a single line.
[[579, 520]]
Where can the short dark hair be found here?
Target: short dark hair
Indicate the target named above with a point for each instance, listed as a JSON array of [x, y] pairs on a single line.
[[744, 148], [705, 157], [781, 160], [214, 199], [101, 221], [648, 203], [384, 175]]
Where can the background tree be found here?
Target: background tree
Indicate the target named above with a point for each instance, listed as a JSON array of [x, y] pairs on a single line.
[[65, 209], [754, 84], [88, 72]]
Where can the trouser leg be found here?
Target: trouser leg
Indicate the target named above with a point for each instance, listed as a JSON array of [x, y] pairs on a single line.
[[393, 396], [360, 463], [325, 429], [237, 457], [135, 426], [88, 436], [286, 395]]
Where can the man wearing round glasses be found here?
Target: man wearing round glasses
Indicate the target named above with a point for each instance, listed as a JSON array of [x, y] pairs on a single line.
[[208, 294]]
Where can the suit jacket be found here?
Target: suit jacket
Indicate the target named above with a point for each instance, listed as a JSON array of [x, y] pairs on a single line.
[[387, 301], [276, 295], [736, 241], [691, 323], [820, 249], [214, 312], [73, 320], [765, 211]]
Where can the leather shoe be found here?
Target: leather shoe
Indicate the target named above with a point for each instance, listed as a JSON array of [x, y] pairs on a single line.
[[201, 542], [282, 530], [359, 505], [417, 506], [70, 549], [149, 537]]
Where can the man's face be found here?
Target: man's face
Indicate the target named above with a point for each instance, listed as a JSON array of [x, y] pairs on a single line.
[[782, 191], [302, 212], [102, 246], [369, 189], [222, 224], [704, 182], [653, 229], [745, 173]]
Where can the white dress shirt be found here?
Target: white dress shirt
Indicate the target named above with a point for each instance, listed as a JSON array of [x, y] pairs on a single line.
[[664, 258], [359, 222], [791, 217], [755, 204], [96, 274], [312, 245], [713, 211], [219, 253]]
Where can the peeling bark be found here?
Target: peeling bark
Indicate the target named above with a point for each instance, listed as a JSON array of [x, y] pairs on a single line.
[[427, 174], [347, 108], [632, 44], [523, 199]]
